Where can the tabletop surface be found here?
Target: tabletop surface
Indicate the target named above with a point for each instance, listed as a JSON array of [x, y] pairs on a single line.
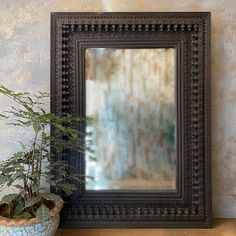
[[221, 227]]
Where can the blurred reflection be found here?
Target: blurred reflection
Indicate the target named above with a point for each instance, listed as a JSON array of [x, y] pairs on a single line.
[[131, 97]]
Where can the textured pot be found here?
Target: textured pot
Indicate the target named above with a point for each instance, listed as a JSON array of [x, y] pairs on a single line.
[[22, 227]]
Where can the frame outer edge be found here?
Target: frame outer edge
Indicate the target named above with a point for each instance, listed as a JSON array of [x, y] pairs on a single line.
[[204, 18], [208, 128]]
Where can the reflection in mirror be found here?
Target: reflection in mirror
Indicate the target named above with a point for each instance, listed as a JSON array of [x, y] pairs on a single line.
[[130, 95]]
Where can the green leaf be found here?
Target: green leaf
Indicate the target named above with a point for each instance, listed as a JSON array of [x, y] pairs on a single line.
[[18, 186], [24, 215], [20, 199], [52, 197], [19, 208], [59, 149], [32, 201], [9, 198], [42, 213], [3, 116], [22, 146], [7, 170], [4, 179], [35, 126], [10, 182], [67, 188]]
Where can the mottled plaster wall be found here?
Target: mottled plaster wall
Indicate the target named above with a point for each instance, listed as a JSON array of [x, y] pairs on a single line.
[[24, 64]]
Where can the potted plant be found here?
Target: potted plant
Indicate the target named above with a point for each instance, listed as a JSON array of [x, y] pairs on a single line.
[[32, 210]]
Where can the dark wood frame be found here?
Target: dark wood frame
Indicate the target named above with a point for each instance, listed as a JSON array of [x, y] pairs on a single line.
[[189, 33]]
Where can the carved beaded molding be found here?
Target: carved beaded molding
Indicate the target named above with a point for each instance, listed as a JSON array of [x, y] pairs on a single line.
[[190, 206]]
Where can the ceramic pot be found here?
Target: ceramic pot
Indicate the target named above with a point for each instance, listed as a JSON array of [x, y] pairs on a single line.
[[24, 227]]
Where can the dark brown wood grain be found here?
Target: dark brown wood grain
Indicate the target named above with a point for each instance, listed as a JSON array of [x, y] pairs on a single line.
[[188, 206]]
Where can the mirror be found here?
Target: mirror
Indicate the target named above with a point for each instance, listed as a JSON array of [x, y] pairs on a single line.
[[130, 96], [144, 79]]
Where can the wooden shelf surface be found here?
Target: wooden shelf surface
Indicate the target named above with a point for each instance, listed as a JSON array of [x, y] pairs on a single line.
[[221, 227]]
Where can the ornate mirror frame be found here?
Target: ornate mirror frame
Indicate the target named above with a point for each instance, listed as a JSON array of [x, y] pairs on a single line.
[[190, 205]]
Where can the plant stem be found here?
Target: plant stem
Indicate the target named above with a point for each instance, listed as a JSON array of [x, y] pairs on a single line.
[[33, 157], [9, 210], [40, 159], [25, 188]]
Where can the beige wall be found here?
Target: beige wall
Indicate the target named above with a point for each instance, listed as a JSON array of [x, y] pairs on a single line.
[[24, 64]]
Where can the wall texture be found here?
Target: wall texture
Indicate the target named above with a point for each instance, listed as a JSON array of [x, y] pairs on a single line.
[[25, 65]]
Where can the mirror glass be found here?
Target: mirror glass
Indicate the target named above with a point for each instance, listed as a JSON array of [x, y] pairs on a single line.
[[130, 96]]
